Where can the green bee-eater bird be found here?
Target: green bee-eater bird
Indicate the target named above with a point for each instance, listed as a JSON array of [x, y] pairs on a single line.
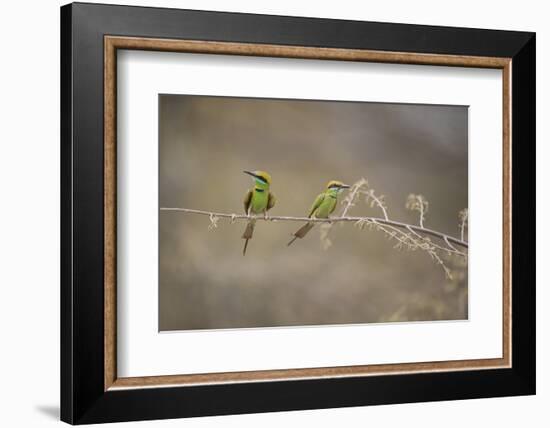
[[324, 205], [257, 200]]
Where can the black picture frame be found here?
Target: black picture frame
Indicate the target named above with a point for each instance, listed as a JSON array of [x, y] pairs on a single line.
[[83, 397]]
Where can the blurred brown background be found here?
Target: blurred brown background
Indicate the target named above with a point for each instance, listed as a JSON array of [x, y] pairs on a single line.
[[206, 143]]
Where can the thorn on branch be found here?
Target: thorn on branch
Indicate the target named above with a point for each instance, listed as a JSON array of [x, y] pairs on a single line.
[[213, 222], [361, 223], [418, 203]]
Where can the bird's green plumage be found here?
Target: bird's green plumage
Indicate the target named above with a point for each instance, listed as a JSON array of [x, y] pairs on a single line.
[[257, 200], [323, 206]]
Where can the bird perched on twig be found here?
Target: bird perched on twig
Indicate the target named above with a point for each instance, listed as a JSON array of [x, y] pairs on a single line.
[[257, 200], [324, 205]]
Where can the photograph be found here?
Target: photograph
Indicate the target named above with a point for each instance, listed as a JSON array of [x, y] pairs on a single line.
[[292, 212]]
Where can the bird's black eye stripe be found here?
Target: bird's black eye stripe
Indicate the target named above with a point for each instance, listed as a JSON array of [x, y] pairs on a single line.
[[261, 179]]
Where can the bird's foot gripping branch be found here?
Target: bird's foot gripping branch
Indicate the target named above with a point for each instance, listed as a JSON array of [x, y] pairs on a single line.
[[407, 236]]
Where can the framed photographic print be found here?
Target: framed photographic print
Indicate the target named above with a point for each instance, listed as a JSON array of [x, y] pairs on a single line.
[[265, 213]]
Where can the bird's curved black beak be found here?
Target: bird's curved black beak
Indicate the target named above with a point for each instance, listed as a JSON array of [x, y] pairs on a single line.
[[345, 186], [250, 173]]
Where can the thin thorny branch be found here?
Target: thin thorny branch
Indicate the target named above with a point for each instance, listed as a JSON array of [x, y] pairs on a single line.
[[408, 236], [233, 217], [413, 240], [376, 200], [418, 203], [349, 200]]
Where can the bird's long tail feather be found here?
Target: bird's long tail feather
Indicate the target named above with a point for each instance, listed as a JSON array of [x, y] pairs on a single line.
[[247, 234], [301, 232]]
